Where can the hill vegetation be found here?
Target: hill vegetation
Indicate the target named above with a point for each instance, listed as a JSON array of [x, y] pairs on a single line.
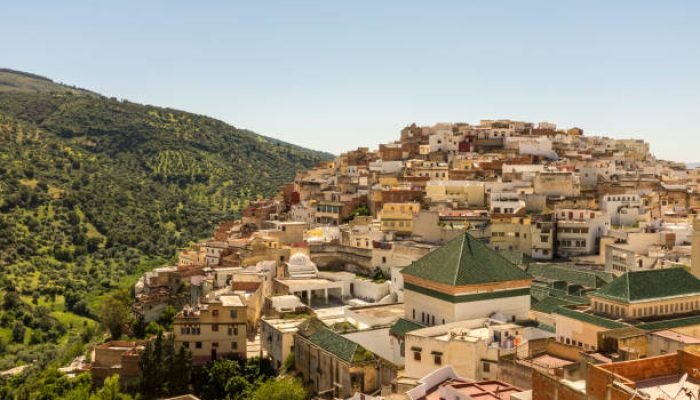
[[94, 190], [18, 81]]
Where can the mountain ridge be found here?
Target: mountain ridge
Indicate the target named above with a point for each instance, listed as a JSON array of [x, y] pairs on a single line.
[[95, 190]]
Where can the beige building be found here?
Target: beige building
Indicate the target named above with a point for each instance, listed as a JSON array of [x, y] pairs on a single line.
[[462, 280], [649, 294], [472, 347], [214, 329], [277, 339], [117, 358], [556, 184], [471, 193], [581, 328], [533, 237]]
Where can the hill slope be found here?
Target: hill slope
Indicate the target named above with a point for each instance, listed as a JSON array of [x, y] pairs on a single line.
[[93, 190], [18, 81]]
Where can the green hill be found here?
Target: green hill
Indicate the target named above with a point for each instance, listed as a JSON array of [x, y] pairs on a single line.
[[94, 190]]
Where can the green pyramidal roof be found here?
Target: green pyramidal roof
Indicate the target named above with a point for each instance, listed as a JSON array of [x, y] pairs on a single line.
[[649, 285], [464, 261]]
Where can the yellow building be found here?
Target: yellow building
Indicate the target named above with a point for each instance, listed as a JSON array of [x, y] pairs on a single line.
[[215, 329], [398, 217]]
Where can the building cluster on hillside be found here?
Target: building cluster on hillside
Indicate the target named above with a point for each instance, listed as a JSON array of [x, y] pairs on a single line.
[[461, 261]]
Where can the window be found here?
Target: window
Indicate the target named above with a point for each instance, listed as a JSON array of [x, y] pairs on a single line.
[[234, 314], [186, 345], [234, 345], [215, 328], [416, 355], [198, 345], [215, 313], [437, 358], [214, 345], [486, 367]]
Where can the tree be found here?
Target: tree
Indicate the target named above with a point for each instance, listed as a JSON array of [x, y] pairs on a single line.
[[18, 331], [154, 328], [115, 313], [361, 211], [232, 378], [164, 371], [180, 372], [111, 390], [286, 388], [167, 316], [93, 244]]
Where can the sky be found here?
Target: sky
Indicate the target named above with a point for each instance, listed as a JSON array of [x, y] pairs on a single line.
[[334, 75]]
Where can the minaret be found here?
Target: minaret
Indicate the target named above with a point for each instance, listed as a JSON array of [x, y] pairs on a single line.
[[695, 254]]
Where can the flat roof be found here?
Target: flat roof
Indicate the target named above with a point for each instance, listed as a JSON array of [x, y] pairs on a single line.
[[490, 389], [383, 311], [309, 284], [679, 337], [231, 301], [659, 388], [547, 361], [285, 325]]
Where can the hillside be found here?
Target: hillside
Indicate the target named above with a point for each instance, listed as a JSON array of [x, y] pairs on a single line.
[[94, 190], [18, 81]]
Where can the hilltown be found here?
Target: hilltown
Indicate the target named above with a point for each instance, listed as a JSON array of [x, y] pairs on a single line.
[[504, 259]]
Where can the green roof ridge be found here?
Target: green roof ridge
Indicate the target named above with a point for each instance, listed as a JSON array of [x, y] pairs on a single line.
[[402, 326], [670, 323], [638, 286], [340, 346]]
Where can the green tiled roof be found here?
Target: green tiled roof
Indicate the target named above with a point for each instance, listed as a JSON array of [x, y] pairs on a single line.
[[565, 273], [589, 318], [340, 346], [671, 323], [639, 286], [606, 277], [514, 256], [464, 261], [403, 326], [540, 292], [549, 304]]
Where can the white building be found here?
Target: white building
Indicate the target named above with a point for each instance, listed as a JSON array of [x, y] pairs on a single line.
[[464, 279], [579, 231]]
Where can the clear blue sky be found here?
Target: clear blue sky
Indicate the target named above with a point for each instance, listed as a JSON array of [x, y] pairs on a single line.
[[335, 75]]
